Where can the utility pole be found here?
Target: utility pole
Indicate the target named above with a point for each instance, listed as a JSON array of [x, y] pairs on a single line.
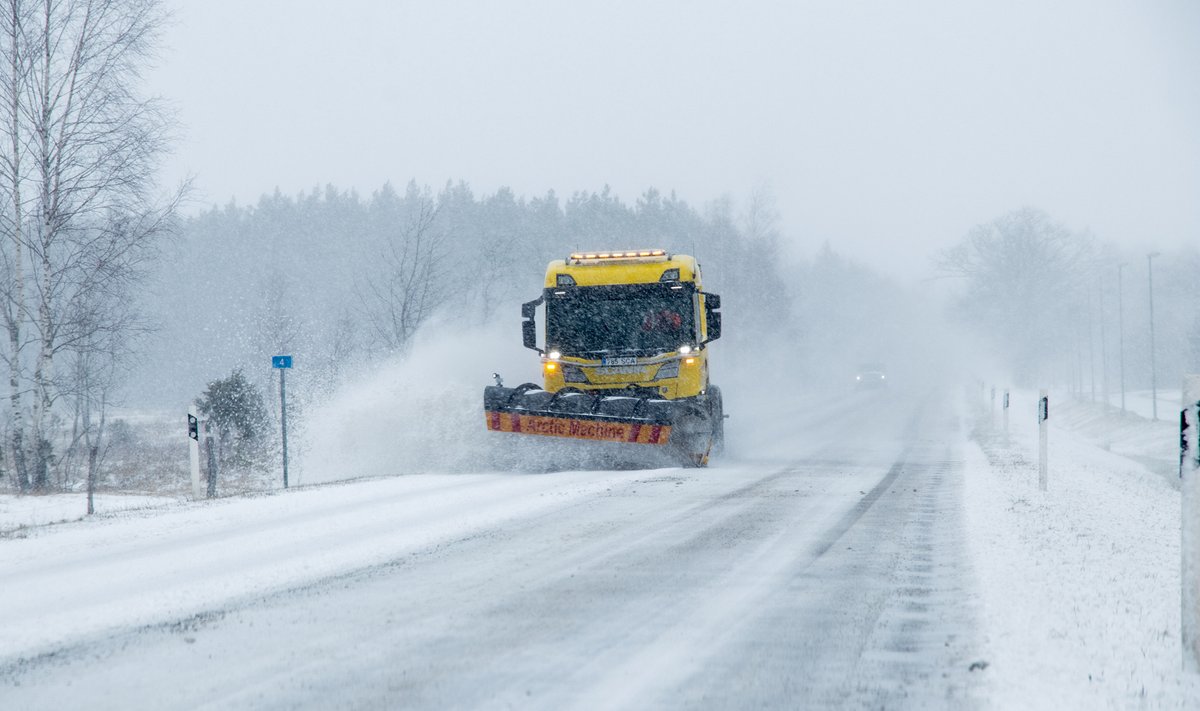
[[1091, 349], [1103, 350], [1121, 332], [1078, 365], [1153, 371]]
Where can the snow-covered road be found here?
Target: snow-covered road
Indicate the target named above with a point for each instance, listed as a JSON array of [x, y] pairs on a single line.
[[858, 551], [834, 575]]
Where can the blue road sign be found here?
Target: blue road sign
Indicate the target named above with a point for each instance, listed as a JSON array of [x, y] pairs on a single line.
[[281, 361]]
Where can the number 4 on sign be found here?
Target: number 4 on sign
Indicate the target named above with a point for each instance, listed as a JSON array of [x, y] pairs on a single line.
[[281, 361]]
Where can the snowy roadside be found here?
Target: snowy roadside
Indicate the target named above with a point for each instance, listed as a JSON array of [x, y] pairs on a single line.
[[66, 583], [1079, 585], [1133, 435], [21, 512], [1141, 402]]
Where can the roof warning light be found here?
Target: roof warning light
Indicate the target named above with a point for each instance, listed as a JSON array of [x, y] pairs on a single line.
[[635, 255]]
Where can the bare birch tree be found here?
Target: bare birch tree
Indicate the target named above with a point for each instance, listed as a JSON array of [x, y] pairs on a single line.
[[13, 83], [95, 370], [78, 177]]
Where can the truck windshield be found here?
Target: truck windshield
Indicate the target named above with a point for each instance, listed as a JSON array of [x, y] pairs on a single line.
[[629, 319]]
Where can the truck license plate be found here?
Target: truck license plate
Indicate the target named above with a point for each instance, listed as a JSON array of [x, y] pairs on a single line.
[[618, 361]]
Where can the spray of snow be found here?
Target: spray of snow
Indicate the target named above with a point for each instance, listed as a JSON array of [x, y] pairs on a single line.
[[416, 413]]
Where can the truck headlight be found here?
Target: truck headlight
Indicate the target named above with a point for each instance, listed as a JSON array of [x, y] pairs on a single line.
[[670, 369], [685, 349], [573, 374]]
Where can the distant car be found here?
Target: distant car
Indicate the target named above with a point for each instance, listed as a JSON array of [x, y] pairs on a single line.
[[870, 376]]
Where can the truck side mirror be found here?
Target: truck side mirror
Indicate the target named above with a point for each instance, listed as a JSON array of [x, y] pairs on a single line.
[[712, 302], [714, 325], [529, 333], [529, 325]]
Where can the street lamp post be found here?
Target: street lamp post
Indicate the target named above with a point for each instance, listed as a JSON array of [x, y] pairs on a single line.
[[1091, 350], [1121, 332], [1103, 349], [1153, 372]]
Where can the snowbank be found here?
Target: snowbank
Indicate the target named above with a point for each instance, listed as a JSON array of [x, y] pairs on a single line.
[[1079, 584], [18, 512]]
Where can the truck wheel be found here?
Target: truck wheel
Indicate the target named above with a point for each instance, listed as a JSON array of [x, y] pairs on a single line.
[[716, 410], [692, 438]]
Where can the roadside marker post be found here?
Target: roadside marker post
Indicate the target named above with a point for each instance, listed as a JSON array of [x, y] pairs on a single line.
[[194, 450], [1043, 415], [1189, 548], [282, 363], [1006, 413]]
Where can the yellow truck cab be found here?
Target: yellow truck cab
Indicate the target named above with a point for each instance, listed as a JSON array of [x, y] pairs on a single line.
[[627, 320], [625, 356]]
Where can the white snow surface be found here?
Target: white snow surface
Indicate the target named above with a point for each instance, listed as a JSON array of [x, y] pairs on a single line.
[[72, 581], [1080, 584], [17, 512], [1142, 402], [1076, 589]]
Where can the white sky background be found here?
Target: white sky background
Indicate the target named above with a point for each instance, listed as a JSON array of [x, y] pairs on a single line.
[[887, 128]]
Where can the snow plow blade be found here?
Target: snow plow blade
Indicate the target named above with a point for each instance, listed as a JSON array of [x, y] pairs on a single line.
[[579, 415], [679, 426]]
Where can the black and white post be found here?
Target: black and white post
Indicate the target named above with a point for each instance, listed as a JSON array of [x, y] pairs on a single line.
[[1043, 415], [194, 450], [1189, 472], [282, 363], [1005, 408]]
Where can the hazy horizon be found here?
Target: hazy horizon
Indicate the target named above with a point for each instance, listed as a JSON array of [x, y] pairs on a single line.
[[886, 131]]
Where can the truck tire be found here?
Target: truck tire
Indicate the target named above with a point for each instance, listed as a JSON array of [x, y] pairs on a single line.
[[716, 410]]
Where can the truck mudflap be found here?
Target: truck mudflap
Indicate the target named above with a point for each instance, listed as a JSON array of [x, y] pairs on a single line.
[[681, 425]]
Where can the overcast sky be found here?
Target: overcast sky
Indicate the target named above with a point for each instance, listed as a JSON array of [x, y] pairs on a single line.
[[886, 128]]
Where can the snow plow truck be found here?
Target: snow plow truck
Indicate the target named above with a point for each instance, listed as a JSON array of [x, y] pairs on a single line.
[[625, 357]]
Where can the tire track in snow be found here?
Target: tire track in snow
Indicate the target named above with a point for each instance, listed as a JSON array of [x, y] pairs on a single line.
[[194, 570], [538, 607], [699, 633]]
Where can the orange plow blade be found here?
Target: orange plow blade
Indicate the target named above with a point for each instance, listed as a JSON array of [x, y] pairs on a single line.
[[578, 428]]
